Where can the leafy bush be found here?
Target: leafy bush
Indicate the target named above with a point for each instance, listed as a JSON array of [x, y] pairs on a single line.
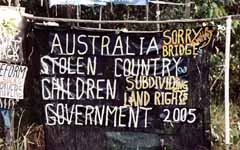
[[218, 127]]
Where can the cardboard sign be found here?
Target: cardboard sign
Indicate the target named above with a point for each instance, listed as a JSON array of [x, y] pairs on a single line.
[[11, 34], [12, 78]]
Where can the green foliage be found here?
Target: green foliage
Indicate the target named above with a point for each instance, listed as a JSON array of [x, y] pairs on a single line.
[[8, 26], [218, 127], [217, 8]]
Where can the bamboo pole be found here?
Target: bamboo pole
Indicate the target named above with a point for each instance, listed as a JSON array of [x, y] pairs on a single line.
[[226, 79], [36, 18], [100, 17], [158, 16], [78, 13], [187, 8], [171, 3], [147, 12], [47, 7], [12, 137], [41, 3], [9, 2]]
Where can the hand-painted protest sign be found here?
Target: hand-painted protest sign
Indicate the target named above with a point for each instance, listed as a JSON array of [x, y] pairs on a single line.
[[6, 103], [144, 82], [12, 78], [11, 34]]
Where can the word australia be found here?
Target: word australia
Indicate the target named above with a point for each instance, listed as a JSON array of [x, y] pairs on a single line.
[[122, 44]]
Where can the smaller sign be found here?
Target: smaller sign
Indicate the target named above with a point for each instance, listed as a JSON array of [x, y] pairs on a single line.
[[97, 2], [76, 2], [12, 27], [6, 103], [12, 78], [128, 2]]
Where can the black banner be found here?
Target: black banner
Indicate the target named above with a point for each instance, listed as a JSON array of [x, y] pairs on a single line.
[[115, 83]]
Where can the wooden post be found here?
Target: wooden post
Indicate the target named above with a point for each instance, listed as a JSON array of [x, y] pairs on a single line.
[[226, 79], [158, 16], [100, 17], [78, 13], [9, 135], [16, 3], [9, 2], [56, 14], [80, 10], [187, 8], [41, 3], [147, 11], [47, 7], [128, 15], [12, 137]]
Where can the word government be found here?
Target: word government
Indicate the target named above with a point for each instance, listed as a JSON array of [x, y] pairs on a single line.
[[87, 115]]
